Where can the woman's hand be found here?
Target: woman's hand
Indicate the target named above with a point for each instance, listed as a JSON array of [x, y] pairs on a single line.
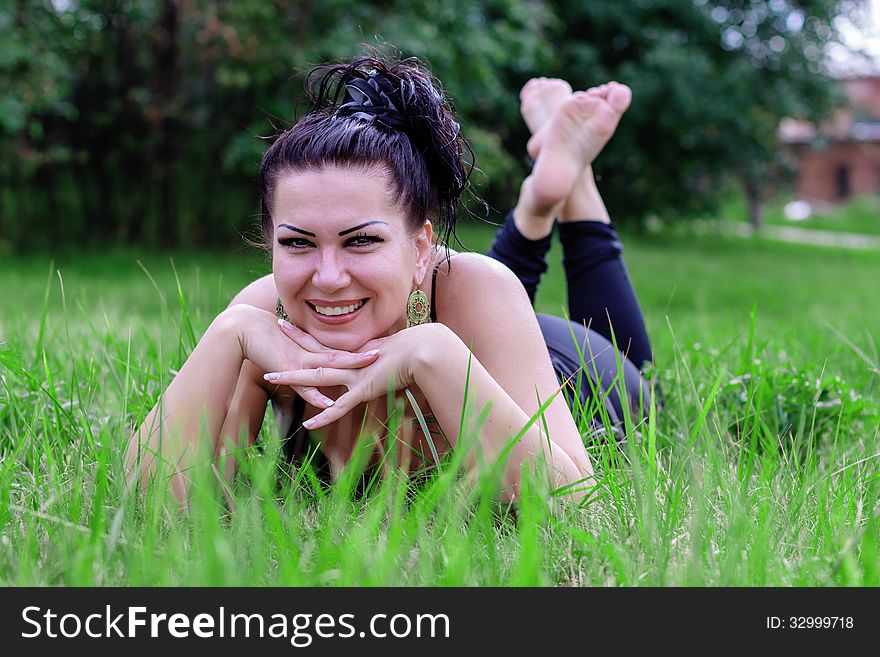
[[398, 355], [274, 350]]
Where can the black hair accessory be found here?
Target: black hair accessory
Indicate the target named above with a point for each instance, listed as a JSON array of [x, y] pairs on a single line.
[[377, 99]]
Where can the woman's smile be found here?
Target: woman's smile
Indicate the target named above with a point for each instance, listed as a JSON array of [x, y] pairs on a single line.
[[336, 312]]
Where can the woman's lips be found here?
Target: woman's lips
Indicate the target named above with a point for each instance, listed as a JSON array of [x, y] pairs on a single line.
[[337, 319]]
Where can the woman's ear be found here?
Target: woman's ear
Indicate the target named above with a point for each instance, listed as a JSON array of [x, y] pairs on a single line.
[[424, 248]]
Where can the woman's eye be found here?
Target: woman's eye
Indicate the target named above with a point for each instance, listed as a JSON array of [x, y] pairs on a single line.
[[302, 243], [364, 240], [295, 242]]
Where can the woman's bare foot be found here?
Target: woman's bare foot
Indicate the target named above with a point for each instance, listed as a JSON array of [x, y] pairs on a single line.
[[584, 203], [576, 134], [539, 100], [616, 99], [566, 146]]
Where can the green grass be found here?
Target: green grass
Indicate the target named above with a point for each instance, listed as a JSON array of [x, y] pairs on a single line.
[[860, 215], [761, 468]]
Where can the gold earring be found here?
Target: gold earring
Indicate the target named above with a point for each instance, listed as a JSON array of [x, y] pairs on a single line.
[[418, 308], [279, 311]]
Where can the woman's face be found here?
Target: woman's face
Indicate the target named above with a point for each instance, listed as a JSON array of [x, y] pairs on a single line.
[[343, 257]]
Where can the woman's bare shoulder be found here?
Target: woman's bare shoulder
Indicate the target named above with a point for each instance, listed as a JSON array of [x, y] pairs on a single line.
[[475, 288], [473, 274], [261, 293]]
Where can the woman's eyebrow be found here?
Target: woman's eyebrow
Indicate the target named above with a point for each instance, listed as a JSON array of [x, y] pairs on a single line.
[[297, 230], [369, 223]]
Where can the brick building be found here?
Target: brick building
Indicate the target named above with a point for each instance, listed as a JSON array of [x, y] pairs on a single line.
[[840, 159]]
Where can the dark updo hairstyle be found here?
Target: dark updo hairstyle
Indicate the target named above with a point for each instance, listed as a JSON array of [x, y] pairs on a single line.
[[375, 111]]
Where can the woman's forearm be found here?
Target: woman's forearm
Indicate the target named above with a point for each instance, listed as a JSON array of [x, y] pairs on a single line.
[[192, 407], [442, 375]]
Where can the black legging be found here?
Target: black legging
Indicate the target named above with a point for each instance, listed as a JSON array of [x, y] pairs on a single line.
[[599, 290]]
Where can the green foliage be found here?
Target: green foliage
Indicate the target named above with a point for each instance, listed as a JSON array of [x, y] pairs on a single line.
[[795, 404], [139, 121], [710, 79], [36, 80]]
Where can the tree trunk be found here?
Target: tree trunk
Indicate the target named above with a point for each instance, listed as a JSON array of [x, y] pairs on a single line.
[[753, 202], [166, 144], [127, 221]]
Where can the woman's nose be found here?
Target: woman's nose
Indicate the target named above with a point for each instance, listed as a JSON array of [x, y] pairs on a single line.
[[331, 273]]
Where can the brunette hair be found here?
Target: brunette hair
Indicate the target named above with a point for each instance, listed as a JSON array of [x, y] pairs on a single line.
[[375, 111]]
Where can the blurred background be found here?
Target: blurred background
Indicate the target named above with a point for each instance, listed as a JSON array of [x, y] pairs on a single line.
[[142, 122]]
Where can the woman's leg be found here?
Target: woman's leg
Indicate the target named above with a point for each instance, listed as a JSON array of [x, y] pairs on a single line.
[[524, 239], [595, 375], [600, 293]]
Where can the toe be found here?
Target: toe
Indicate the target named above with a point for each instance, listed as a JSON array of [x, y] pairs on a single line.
[[619, 96], [583, 99], [528, 86], [562, 84]]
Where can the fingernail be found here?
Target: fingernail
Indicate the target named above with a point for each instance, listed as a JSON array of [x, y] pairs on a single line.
[[328, 402], [308, 424], [371, 352], [272, 376], [283, 323]]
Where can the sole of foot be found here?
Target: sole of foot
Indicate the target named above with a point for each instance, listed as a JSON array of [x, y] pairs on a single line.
[[578, 131], [539, 100], [618, 96]]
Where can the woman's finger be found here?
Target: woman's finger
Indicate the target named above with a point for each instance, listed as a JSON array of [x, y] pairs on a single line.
[[314, 396], [374, 344], [315, 378], [338, 410], [302, 338], [311, 395], [340, 359]]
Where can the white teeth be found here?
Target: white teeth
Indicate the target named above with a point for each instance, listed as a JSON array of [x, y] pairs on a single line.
[[338, 310]]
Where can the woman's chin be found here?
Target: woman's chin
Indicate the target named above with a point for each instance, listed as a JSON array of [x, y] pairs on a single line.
[[343, 341], [350, 337]]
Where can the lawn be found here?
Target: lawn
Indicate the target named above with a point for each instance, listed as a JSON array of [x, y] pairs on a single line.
[[761, 468], [859, 215]]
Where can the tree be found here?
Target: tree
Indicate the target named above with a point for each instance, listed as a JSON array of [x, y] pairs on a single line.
[[143, 121], [35, 98], [711, 81]]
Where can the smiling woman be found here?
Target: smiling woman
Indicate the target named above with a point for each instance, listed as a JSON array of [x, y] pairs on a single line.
[[358, 199], [338, 267]]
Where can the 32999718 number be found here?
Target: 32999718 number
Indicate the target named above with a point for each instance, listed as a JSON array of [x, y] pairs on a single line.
[[820, 622]]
